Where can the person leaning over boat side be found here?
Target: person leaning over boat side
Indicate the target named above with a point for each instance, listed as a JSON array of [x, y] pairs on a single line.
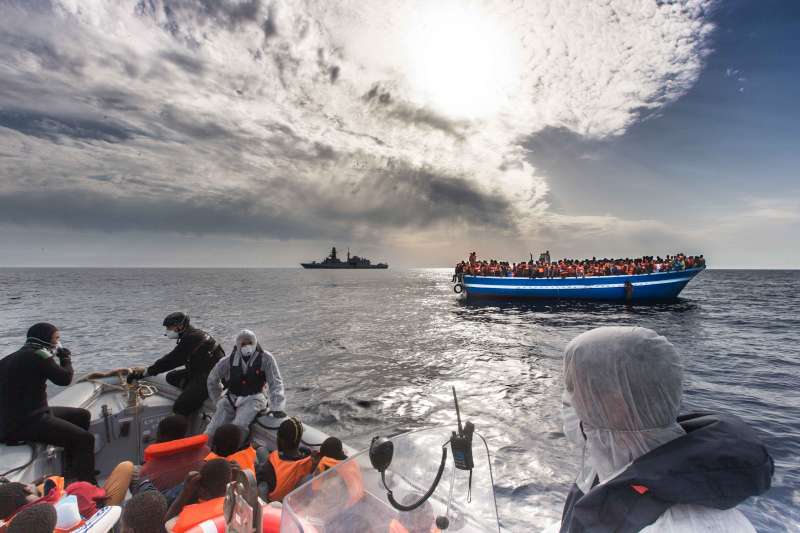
[[287, 465], [197, 351], [660, 471], [245, 373], [24, 412]]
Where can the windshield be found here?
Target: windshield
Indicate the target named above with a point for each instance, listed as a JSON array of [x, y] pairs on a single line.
[[351, 496]]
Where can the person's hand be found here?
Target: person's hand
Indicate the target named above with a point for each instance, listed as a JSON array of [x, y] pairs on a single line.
[[63, 353], [191, 486], [134, 375], [277, 414]]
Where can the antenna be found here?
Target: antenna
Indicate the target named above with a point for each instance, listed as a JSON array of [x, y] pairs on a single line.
[[458, 413]]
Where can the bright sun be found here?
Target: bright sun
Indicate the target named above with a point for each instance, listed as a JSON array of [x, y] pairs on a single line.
[[462, 62]]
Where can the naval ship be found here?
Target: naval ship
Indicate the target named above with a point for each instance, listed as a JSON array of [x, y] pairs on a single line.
[[332, 261]]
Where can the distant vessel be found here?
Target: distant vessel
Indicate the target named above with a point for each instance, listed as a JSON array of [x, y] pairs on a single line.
[[352, 262]]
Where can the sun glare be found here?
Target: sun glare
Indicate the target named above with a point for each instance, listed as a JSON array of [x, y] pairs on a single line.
[[462, 62]]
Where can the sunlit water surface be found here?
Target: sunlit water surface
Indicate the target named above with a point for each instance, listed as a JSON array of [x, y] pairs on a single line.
[[367, 352]]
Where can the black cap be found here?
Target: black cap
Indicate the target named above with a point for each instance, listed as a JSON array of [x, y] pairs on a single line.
[[176, 319], [42, 332]]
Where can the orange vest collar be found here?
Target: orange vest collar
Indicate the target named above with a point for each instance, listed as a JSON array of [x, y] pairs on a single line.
[[245, 458], [164, 449]]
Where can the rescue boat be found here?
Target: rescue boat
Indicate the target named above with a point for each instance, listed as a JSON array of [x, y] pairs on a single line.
[[657, 286], [351, 496]]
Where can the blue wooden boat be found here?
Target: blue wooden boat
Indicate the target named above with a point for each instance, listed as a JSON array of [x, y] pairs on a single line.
[[632, 288]]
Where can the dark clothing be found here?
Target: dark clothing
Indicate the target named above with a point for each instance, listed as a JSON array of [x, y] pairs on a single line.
[[23, 385], [198, 352], [196, 349], [719, 463], [66, 427], [194, 392], [246, 381]]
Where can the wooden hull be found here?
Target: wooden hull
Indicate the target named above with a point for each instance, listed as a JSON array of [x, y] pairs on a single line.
[[645, 287]]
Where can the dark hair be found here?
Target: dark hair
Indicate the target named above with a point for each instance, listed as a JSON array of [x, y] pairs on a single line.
[[289, 433], [332, 447], [12, 497], [172, 427], [214, 477], [144, 513], [176, 319], [226, 440], [39, 518], [42, 332]]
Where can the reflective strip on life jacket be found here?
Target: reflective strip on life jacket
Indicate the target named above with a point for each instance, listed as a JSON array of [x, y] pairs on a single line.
[[287, 475], [245, 458], [164, 449], [194, 514], [348, 472]]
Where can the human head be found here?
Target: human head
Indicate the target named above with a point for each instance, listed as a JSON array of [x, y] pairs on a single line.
[[226, 440], [13, 496], [176, 322], [172, 427], [214, 478], [623, 385], [332, 447], [144, 513], [43, 334], [39, 518], [245, 338], [289, 434]]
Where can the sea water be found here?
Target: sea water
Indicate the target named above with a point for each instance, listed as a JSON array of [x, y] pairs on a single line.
[[375, 352]]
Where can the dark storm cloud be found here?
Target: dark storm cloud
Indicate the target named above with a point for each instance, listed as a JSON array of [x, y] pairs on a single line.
[[425, 117], [55, 127], [303, 210]]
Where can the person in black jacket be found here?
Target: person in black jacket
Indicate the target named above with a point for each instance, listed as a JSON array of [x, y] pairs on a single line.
[[24, 413], [197, 351]]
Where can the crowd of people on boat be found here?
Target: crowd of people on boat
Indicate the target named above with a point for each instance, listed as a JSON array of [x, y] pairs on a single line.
[[183, 478], [621, 400], [577, 268]]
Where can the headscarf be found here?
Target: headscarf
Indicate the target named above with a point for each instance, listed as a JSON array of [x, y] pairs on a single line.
[[624, 386]]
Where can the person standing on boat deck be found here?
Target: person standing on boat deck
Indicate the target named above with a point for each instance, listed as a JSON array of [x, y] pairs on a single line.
[[245, 373], [645, 468], [24, 413], [197, 351]]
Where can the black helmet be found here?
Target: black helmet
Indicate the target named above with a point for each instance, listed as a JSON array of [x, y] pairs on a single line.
[[176, 319]]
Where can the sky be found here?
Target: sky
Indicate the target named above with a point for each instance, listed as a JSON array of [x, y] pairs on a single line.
[[254, 133]]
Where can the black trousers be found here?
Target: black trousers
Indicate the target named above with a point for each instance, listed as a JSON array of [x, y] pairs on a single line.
[[195, 391], [67, 427]]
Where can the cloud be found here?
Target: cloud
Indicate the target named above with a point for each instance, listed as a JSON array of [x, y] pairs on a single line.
[[295, 120]]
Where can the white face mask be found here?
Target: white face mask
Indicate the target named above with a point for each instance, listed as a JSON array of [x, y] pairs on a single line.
[[247, 350], [171, 334], [56, 347]]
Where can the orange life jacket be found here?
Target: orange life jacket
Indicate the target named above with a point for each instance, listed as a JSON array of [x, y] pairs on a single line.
[[171, 447], [245, 458], [348, 472], [287, 474], [191, 515]]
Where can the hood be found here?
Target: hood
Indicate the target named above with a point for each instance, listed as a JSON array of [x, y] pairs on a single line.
[[718, 463]]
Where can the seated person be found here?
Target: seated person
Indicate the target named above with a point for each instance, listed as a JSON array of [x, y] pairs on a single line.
[[144, 513], [622, 393], [173, 456], [420, 520], [202, 497], [25, 415], [245, 373], [330, 455], [225, 444], [40, 518], [288, 465]]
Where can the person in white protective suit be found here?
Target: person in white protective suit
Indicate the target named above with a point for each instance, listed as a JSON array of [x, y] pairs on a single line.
[[644, 467], [236, 384]]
